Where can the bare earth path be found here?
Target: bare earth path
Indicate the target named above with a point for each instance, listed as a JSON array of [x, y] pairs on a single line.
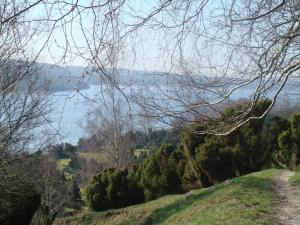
[[288, 205]]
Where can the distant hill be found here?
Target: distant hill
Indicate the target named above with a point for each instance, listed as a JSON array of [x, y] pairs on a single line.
[[70, 78], [63, 78]]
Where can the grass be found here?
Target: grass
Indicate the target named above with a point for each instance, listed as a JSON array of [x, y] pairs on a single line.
[[246, 200], [63, 163], [295, 180], [63, 166], [138, 152], [100, 156]]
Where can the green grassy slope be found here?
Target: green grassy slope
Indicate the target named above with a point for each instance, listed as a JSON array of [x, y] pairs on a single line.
[[295, 180], [245, 200]]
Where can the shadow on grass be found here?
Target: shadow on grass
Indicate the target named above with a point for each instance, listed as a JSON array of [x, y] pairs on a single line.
[[162, 214], [243, 185]]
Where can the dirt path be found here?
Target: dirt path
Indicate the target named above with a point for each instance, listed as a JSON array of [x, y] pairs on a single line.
[[288, 205]]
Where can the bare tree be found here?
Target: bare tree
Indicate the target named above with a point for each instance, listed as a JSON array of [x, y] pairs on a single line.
[[23, 95], [215, 50], [111, 127], [208, 50], [49, 182], [23, 105], [212, 51]]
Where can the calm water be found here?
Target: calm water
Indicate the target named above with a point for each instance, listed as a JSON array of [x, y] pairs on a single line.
[[70, 111], [72, 107]]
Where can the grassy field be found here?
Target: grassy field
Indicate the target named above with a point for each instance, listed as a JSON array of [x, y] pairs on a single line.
[[245, 200], [63, 166], [100, 156], [63, 163]]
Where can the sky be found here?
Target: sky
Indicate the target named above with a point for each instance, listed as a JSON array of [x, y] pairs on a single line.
[[148, 48], [140, 51]]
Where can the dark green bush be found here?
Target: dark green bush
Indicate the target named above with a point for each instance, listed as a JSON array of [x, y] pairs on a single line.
[[287, 142], [295, 130], [190, 140], [159, 175], [216, 158], [112, 189]]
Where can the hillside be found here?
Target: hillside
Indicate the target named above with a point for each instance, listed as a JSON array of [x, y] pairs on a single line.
[[70, 78], [247, 200]]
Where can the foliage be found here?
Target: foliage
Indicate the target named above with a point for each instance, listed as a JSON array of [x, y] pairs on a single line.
[[218, 158], [63, 150], [189, 142], [153, 139], [75, 201], [295, 130], [285, 147], [19, 199], [50, 182], [112, 188], [284, 136], [159, 175], [85, 165], [274, 127]]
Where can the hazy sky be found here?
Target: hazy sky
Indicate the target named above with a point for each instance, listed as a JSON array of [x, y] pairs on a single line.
[[148, 48], [140, 51]]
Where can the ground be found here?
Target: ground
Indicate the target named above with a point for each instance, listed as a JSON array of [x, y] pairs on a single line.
[[288, 198]]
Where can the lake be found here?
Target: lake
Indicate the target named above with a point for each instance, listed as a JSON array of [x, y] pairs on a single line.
[[72, 107]]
